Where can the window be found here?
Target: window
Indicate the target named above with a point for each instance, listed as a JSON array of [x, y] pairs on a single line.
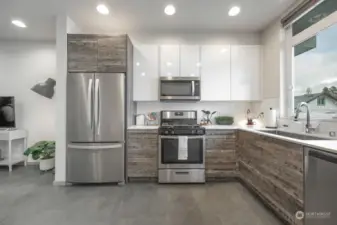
[[311, 56], [321, 101]]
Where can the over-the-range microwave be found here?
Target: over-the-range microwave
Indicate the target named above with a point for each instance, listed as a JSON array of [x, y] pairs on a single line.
[[179, 89]]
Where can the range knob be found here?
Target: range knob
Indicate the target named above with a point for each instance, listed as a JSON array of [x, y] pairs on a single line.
[[193, 131], [166, 132], [172, 132]]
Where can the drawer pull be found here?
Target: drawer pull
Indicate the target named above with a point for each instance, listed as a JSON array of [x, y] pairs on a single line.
[[181, 173]]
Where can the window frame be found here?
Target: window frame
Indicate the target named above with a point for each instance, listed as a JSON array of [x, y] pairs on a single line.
[[288, 77]]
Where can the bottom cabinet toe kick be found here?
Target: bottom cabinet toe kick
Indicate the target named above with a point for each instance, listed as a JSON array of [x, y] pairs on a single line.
[[270, 167]]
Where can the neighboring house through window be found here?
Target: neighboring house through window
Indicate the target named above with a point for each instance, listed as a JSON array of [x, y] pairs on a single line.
[[321, 101]]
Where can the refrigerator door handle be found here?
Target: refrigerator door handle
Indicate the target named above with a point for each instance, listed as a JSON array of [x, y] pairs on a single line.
[[89, 103], [97, 107], [92, 147]]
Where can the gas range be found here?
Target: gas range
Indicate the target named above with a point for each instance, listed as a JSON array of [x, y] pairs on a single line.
[[181, 156], [182, 130]]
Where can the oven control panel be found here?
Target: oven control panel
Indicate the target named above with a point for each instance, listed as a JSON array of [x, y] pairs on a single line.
[[182, 131]]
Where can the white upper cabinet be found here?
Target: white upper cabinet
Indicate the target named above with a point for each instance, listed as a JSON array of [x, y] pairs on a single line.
[[215, 73], [246, 73], [190, 60], [146, 73], [169, 60]]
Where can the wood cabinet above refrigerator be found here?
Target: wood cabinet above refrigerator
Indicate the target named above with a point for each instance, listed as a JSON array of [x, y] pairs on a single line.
[[97, 53]]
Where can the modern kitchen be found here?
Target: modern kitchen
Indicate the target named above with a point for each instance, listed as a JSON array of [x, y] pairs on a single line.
[[183, 116]]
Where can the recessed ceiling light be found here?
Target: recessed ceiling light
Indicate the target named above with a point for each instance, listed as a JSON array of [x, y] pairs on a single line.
[[192, 74], [143, 74], [234, 11], [102, 9], [137, 64], [19, 23], [198, 64], [170, 10], [168, 64]]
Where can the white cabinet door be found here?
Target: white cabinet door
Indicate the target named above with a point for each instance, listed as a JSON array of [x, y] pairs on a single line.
[[190, 60], [169, 60], [146, 73], [215, 73], [246, 72]]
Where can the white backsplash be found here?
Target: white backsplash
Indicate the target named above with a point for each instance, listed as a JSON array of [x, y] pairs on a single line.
[[235, 109]]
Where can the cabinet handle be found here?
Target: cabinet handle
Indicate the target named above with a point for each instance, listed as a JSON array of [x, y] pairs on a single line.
[[180, 173]]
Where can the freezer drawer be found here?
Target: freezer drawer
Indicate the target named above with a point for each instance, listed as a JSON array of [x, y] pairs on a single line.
[[95, 163]]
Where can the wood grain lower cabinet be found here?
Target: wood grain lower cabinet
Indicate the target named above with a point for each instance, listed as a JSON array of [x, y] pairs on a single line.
[[82, 53], [142, 153], [220, 154], [273, 168], [112, 54]]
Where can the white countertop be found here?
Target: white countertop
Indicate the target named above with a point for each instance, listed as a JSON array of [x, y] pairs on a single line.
[[144, 127], [329, 146], [326, 145]]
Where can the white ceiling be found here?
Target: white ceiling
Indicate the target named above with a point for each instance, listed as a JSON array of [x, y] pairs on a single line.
[[133, 15]]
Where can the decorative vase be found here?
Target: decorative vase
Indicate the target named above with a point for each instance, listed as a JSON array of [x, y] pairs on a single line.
[[47, 164]]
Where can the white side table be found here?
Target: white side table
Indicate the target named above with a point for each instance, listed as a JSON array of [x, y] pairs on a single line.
[[13, 158]]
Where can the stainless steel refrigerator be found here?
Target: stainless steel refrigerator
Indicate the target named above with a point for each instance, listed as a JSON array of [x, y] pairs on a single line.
[[95, 127]]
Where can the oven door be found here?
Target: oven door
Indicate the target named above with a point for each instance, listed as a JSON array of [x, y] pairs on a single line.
[[179, 89], [168, 157]]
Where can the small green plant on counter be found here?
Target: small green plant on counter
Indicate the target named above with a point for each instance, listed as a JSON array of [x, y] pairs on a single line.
[[224, 120], [41, 150]]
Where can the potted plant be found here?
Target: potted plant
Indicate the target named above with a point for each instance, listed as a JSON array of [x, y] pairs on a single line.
[[44, 151]]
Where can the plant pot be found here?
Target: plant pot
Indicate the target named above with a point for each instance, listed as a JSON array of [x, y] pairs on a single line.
[[47, 164]]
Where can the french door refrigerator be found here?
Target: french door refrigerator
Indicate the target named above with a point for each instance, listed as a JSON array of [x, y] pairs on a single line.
[[95, 127]]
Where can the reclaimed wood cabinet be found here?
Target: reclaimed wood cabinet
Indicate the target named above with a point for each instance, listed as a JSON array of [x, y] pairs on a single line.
[[82, 53], [97, 53], [112, 54], [142, 154], [220, 156], [273, 168]]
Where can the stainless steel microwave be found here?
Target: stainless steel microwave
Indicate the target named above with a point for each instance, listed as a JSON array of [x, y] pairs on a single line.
[[179, 89]]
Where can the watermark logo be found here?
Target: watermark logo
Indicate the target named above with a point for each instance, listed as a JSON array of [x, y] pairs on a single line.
[[312, 215], [299, 215]]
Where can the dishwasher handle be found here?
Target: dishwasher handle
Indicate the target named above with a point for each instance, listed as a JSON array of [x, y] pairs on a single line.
[[330, 157]]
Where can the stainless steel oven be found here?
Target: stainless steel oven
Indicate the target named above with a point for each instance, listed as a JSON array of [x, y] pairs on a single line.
[[181, 150], [180, 89], [168, 156]]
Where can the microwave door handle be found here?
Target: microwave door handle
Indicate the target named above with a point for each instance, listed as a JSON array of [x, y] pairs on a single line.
[[193, 88]]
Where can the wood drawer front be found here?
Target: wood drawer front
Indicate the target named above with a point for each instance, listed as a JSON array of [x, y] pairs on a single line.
[[220, 142], [221, 159], [229, 133]]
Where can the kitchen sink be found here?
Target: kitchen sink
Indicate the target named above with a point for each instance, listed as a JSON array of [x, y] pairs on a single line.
[[294, 135]]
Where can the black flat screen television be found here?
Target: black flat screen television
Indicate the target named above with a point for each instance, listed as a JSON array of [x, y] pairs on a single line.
[[7, 112]]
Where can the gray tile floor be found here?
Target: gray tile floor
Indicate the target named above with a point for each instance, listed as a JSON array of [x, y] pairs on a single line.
[[28, 198]]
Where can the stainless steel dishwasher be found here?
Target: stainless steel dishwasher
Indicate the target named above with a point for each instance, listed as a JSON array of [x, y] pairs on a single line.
[[320, 187]]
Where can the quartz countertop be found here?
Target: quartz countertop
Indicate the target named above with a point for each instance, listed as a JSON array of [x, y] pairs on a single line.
[[325, 145], [143, 127]]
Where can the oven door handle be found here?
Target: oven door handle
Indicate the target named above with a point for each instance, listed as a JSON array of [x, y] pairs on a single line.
[[177, 137], [193, 88]]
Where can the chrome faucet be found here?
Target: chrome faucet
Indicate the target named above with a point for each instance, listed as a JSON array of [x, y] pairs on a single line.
[[308, 127]]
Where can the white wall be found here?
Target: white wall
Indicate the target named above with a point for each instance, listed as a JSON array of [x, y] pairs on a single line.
[[271, 41], [236, 109], [22, 65]]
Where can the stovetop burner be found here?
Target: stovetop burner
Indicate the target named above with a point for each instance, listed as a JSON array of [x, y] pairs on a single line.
[[180, 123]]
